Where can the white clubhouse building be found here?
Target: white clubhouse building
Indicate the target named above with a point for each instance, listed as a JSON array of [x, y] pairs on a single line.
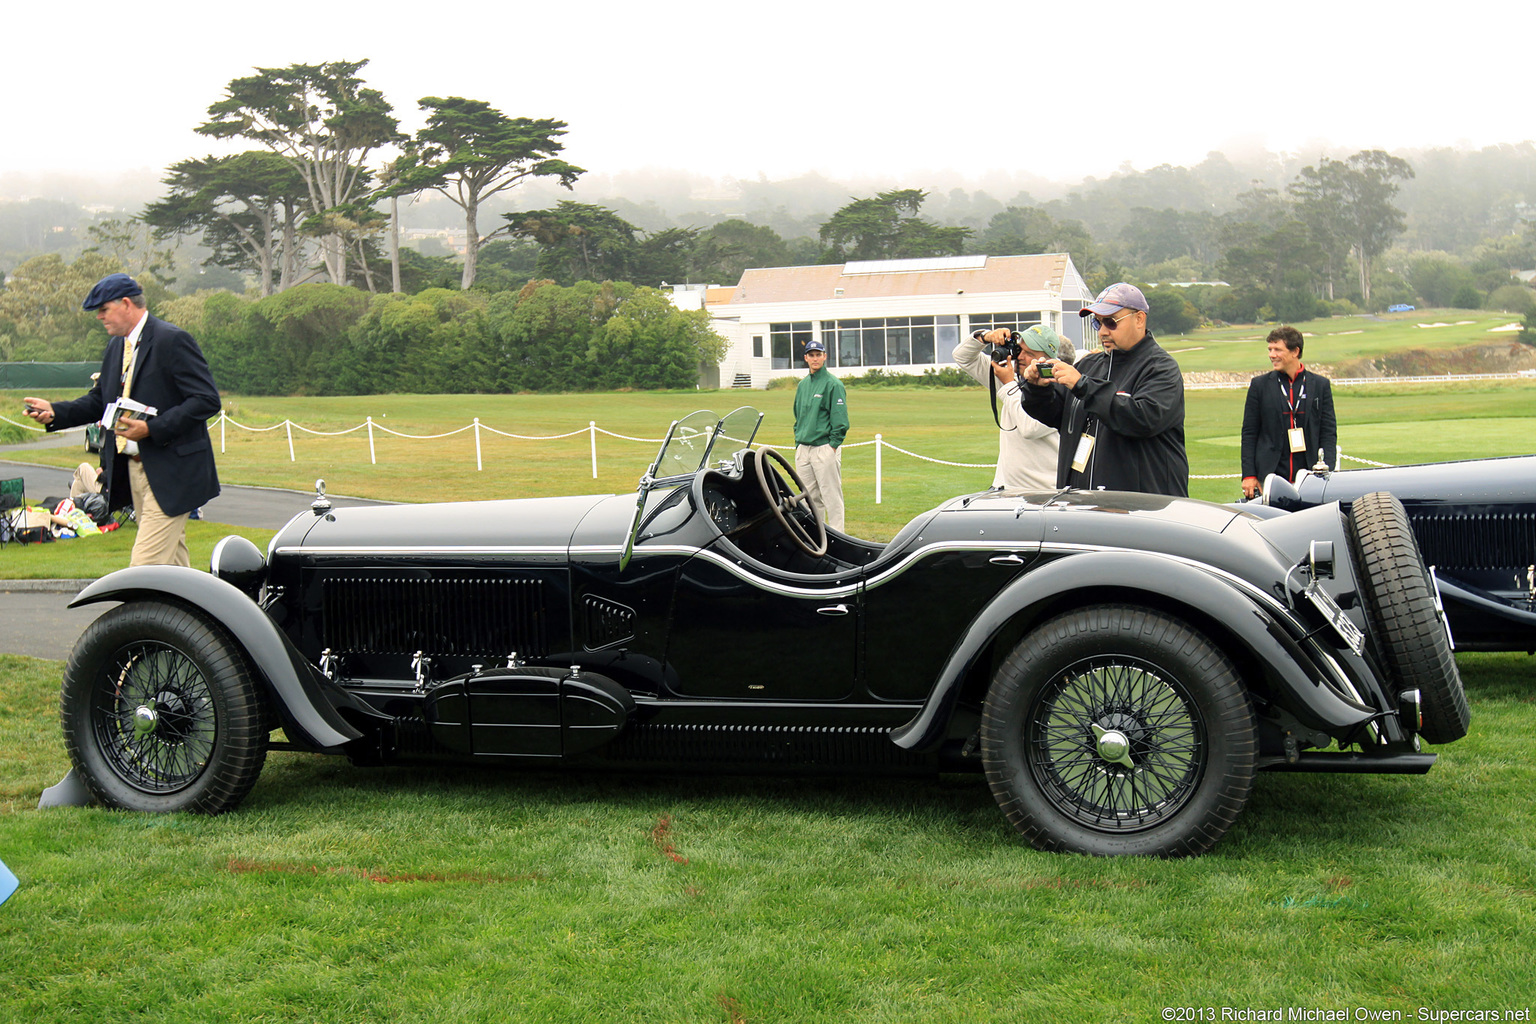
[[905, 316]]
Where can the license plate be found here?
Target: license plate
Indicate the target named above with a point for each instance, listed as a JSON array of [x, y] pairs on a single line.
[[1324, 602]]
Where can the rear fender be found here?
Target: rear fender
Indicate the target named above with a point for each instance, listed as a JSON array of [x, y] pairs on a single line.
[[308, 718], [1166, 579]]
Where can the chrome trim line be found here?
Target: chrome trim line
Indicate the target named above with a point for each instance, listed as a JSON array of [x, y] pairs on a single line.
[[417, 549]]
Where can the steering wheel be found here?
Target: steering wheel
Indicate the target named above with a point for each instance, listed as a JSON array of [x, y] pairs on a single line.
[[787, 502]]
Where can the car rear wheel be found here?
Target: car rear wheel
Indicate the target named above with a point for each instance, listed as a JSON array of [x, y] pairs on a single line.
[[1119, 730], [1400, 603], [161, 711]]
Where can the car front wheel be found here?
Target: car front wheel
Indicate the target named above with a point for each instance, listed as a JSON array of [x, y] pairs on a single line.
[[161, 711], [1119, 730]]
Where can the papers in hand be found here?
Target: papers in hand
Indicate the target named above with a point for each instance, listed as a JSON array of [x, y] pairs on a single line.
[[126, 407]]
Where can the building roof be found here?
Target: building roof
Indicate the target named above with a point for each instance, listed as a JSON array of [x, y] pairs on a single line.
[[866, 279]]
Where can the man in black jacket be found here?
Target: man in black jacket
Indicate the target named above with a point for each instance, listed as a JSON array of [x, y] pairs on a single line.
[[1120, 410], [162, 465], [1288, 417]]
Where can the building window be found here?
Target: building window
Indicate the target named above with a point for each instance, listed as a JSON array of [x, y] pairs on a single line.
[[787, 342], [895, 341], [848, 353], [757, 346], [872, 334], [1012, 321]]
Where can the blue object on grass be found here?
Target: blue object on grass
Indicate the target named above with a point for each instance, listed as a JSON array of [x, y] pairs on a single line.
[[8, 882]]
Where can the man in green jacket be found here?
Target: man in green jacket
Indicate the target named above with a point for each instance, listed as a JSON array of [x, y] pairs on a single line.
[[821, 423]]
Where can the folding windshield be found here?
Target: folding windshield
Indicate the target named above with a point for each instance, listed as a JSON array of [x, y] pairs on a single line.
[[686, 450], [686, 446], [689, 443]]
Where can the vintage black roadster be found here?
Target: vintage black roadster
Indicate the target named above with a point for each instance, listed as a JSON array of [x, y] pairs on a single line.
[[1118, 665], [1475, 523]]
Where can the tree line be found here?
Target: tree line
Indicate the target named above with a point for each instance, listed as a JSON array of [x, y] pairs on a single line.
[[325, 339], [315, 201]]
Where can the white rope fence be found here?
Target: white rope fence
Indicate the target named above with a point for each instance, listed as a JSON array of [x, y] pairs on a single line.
[[591, 430]]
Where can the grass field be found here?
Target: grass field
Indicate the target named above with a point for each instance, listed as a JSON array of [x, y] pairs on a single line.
[[1340, 341], [349, 894], [428, 894]]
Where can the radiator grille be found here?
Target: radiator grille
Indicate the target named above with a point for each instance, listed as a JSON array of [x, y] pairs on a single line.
[[439, 616], [1487, 540]]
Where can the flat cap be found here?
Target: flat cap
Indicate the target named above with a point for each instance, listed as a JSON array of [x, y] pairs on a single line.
[[110, 289]]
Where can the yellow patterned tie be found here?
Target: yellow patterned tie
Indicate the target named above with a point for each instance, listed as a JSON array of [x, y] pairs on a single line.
[[128, 350]]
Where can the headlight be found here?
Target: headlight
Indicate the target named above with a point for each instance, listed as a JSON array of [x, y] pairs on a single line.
[[239, 562]]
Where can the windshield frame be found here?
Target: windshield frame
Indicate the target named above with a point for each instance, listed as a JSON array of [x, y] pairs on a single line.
[[685, 451]]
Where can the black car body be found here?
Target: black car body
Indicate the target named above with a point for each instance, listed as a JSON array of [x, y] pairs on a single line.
[[1475, 523], [1119, 665]]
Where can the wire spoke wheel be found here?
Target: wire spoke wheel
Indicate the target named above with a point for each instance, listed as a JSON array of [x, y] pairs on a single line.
[[156, 723], [1118, 729], [161, 711], [1116, 745]]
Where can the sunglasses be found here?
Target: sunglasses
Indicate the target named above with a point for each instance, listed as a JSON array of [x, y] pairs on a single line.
[[1099, 322]]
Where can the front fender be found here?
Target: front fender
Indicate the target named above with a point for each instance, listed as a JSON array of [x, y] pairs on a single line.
[[307, 716], [1238, 611]]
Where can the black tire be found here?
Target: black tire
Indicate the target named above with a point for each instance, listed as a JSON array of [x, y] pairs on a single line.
[[1064, 693], [162, 712], [1400, 605]]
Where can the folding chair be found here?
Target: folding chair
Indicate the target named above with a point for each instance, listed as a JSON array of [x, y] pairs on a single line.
[[15, 487]]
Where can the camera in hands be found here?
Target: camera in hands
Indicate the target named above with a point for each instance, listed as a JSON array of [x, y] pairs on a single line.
[[1006, 351]]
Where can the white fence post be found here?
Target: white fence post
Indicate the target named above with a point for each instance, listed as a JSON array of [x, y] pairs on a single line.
[[877, 468], [479, 466], [223, 418], [288, 426], [592, 433], [372, 457]]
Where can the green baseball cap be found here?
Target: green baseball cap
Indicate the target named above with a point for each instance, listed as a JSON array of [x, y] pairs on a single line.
[[1040, 338]]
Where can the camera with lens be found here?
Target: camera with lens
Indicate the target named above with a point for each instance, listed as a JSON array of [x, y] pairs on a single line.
[[1007, 351]]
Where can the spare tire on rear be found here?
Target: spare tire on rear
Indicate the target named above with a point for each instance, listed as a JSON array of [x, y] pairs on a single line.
[[1400, 604]]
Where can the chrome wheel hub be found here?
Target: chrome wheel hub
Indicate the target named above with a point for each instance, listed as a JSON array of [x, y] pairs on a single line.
[[1112, 745]]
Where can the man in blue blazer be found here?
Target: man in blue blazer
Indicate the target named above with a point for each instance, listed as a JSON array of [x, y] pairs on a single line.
[[162, 465], [1288, 416]]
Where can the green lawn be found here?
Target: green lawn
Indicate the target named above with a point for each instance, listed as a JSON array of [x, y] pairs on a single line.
[[1391, 423], [1339, 341], [350, 894]]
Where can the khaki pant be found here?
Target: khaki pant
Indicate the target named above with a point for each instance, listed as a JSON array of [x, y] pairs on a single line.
[[162, 539], [821, 470], [85, 481]]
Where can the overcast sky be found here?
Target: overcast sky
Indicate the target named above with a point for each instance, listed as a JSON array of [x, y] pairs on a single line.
[[784, 87]]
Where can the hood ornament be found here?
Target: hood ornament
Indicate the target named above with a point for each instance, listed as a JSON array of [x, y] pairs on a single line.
[[321, 505]]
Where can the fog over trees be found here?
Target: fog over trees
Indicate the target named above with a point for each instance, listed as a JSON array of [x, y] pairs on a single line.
[[480, 201]]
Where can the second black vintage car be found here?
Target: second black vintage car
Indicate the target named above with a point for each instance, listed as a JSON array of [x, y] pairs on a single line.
[[1119, 666], [1475, 523]]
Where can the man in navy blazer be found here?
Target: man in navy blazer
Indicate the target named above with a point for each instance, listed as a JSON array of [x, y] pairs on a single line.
[[1288, 416], [162, 465]]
